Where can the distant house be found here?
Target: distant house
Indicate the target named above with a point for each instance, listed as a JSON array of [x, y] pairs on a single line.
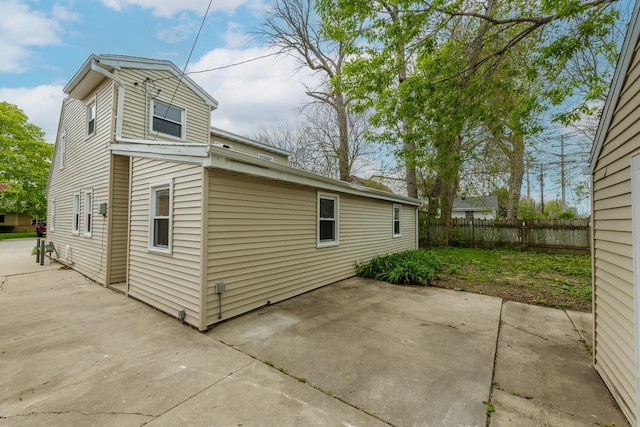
[[482, 207], [615, 177], [20, 221], [201, 223]]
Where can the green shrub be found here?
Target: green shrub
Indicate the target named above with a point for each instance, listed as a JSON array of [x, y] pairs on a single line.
[[416, 267], [6, 228]]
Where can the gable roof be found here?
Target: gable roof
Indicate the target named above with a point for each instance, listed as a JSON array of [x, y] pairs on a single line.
[[479, 203], [619, 78], [86, 79]]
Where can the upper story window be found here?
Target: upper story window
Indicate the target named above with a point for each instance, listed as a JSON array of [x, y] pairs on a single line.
[[397, 223], [91, 118], [328, 222], [265, 157], [167, 119]]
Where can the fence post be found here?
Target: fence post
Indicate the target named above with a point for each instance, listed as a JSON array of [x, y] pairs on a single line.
[[37, 250]]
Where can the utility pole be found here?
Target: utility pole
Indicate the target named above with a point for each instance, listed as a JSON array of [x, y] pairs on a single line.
[[562, 183], [541, 188]]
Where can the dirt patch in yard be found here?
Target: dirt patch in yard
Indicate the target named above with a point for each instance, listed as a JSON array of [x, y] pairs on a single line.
[[559, 281]]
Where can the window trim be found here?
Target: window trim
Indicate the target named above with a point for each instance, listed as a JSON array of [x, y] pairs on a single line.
[[394, 220], [183, 129], [336, 219], [153, 188], [52, 226], [91, 104], [62, 146], [87, 217], [75, 214]]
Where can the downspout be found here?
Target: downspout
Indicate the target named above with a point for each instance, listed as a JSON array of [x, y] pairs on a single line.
[[120, 105]]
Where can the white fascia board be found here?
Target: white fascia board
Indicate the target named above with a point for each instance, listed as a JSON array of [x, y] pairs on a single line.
[[219, 158], [619, 77], [253, 143], [192, 153]]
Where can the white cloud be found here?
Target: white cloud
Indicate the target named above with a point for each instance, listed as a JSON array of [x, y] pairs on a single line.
[[254, 94], [168, 8], [178, 32], [22, 28], [41, 104], [232, 37]]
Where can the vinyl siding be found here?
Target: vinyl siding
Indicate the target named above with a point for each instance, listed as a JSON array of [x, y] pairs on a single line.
[[87, 164], [119, 213], [135, 124], [250, 150], [614, 347], [167, 282], [262, 240]]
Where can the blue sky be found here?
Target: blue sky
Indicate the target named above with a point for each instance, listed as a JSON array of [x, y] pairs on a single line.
[[43, 43]]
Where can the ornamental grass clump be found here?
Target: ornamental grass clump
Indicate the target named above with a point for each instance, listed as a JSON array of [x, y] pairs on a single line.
[[416, 267]]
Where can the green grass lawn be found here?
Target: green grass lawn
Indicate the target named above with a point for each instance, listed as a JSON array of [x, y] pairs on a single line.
[[5, 236], [560, 281]]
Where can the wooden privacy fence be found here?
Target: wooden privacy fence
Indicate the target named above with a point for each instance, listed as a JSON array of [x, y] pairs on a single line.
[[540, 235]]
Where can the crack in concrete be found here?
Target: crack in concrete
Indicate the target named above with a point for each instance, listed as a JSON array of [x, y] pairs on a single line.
[[74, 411], [531, 333], [495, 362], [284, 371], [199, 392]]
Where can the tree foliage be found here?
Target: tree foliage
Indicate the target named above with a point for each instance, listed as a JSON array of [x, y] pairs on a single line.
[[24, 163], [473, 68]]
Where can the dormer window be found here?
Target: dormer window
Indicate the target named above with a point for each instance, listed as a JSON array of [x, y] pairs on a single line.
[[167, 119], [91, 118]]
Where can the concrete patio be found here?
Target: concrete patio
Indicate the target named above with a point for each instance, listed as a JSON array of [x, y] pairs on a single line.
[[357, 352]]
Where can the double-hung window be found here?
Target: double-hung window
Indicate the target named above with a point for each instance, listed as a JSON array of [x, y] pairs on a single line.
[[397, 223], [167, 119], [160, 216], [88, 211], [75, 218], [328, 220], [91, 118]]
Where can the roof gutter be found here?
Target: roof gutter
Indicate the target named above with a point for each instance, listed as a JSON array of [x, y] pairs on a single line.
[[120, 107]]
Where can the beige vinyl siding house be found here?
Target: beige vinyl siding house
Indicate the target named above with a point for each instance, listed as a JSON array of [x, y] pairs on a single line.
[[20, 221], [198, 222], [615, 172]]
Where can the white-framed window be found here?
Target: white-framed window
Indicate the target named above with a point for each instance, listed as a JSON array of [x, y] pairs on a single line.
[[397, 220], [167, 119], [52, 215], [160, 216], [328, 219], [88, 212], [75, 218], [91, 118], [62, 148]]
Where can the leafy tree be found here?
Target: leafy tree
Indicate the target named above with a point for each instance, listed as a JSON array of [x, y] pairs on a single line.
[[465, 71], [293, 27], [24, 163]]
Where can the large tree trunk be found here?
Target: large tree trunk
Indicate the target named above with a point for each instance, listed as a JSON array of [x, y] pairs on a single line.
[[516, 174], [344, 164]]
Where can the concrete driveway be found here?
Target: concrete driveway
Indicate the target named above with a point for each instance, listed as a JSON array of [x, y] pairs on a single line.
[[357, 352]]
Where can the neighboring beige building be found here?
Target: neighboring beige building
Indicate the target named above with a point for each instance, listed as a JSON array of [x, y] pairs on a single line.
[[20, 221], [199, 222], [615, 173]]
